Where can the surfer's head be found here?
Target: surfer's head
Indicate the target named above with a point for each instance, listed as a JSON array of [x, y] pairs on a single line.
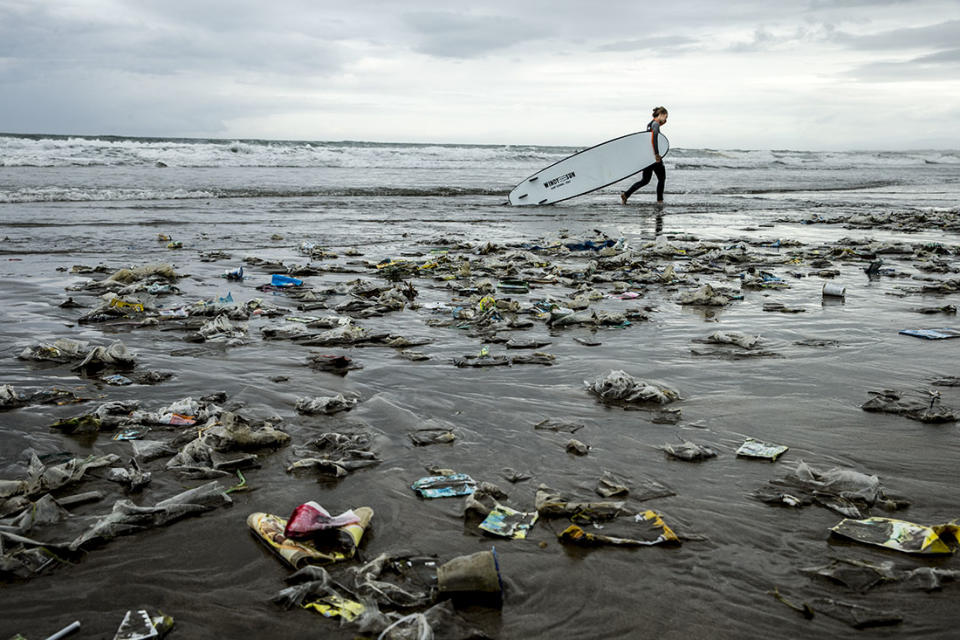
[[660, 114]]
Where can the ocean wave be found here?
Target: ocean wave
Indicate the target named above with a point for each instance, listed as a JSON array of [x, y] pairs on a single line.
[[76, 151], [111, 151]]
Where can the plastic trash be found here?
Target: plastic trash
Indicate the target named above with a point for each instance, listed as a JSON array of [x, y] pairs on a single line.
[[899, 535], [418, 629], [509, 523], [943, 333], [514, 286], [326, 405], [831, 289], [457, 484], [689, 451], [310, 518], [334, 606], [855, 615], [620, 387], [127, 518], [140, 625], [577, 447], [652, 530], [67, 630], [280, 280], [269, 529], [752, 448], [475, 573]]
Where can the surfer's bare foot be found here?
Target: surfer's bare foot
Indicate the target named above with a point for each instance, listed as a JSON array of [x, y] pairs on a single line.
[[623, 197]]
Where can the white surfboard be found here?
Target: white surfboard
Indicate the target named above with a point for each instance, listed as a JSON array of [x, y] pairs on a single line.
[[589, 170]]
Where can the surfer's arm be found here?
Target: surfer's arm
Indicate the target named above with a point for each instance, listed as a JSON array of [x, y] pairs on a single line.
[[654, 139]]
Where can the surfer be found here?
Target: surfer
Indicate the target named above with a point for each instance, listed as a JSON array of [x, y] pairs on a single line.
[[659, 119]]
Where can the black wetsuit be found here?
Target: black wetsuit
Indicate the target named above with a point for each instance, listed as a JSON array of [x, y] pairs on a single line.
[[655, 168]]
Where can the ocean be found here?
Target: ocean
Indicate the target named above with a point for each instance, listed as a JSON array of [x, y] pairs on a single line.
[[805, 218]]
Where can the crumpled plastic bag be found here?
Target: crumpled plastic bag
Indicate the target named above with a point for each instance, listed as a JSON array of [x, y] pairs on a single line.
[[45, 510], [337, 454], [136, 274], [326, 405], [343, 335], [705, 296], [737, 338], [620, 387], [229, 432], [549, 503], [127, 518], [845, 491], [10, 398], [62, 350], [689, 451], [116, 355], [889, 401], [42, 478]]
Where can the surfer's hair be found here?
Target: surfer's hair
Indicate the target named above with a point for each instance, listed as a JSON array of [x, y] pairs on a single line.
[[659, 110]]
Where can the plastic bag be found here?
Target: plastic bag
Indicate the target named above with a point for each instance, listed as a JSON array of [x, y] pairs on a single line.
[[310, 518]]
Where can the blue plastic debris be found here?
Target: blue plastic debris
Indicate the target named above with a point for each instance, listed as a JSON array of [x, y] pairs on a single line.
[[457, 484], [943, 333], [280, 280]]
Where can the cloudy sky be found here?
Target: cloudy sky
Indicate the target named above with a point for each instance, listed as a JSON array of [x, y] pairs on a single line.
[[801, 74]]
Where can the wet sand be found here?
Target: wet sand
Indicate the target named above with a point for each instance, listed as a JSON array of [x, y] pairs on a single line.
[[210, 574]]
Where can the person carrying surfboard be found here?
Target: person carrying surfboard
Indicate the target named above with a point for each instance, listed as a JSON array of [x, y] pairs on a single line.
[[659, 119]]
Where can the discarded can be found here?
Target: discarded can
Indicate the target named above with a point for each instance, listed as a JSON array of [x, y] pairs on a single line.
[[834, 290], [477, 572]]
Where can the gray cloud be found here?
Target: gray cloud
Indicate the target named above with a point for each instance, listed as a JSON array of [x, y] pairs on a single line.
[[454, 35], [45, 40], [934, 36], [943, 65]]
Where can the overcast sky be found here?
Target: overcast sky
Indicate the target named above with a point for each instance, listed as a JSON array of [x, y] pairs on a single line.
[[803, 74]]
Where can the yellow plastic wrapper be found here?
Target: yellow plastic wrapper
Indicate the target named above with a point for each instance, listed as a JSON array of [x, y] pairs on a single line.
[[899, 535], [654, 532], [269, 529], [334, 606], [122, 304]]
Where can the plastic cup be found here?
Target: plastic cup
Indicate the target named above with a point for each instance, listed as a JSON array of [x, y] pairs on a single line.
[[834, 290], [477, 572]]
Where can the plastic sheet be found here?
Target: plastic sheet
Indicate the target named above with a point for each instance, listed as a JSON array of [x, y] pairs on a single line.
[[899, 535]]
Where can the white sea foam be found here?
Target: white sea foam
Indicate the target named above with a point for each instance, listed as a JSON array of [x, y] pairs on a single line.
[[18, 151]]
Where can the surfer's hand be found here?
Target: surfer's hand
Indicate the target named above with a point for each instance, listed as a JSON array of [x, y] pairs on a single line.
[[658, 158]]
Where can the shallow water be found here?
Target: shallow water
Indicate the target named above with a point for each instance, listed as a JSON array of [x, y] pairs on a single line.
[[215, 579]]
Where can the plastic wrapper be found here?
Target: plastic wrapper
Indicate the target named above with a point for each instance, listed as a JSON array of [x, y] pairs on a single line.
[[269, 529], [899, 535], [509, 523], [457, 484], [765, 451], [310, 518], [651, 530]]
